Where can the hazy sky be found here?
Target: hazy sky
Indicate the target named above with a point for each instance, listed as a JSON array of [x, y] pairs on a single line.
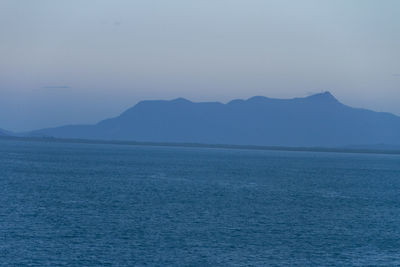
[[79, 61]]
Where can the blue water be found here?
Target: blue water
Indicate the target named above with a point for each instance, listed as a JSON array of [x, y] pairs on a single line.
[[116, 205]]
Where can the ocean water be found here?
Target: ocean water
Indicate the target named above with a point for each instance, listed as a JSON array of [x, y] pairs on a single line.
[[119, 205]]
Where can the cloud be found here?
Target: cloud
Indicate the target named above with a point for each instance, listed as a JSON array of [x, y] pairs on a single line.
[[396, 75], [56, 87]]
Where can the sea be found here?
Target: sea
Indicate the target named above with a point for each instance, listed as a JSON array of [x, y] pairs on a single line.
[[71, 204]]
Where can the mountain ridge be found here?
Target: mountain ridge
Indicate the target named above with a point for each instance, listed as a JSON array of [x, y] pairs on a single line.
[[316, 120]]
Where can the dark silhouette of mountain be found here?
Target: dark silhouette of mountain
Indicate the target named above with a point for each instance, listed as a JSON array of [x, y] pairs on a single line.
[[317, 120]]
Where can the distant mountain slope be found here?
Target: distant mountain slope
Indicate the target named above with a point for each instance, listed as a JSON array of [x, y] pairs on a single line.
[[317, 120]]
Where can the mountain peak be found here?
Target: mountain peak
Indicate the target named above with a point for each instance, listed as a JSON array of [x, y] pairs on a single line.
[[257, 99], [181, 100], [324, 97]]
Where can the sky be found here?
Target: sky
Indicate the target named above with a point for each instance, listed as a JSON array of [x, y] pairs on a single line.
[[77, 62]]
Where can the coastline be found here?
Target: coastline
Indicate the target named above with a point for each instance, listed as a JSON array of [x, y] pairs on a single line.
[[200, 145]]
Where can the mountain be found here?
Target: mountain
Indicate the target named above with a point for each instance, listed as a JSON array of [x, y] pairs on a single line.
[[317, 120]]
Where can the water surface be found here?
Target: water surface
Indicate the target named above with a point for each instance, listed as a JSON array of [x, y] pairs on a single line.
[[99, 205]]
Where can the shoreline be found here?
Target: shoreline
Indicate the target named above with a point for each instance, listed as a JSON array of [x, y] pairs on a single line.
[[199, 145]]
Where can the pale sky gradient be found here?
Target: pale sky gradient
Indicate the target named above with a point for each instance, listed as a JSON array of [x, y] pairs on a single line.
[[80, 61]]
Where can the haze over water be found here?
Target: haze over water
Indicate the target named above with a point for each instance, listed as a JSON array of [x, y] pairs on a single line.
[[91, 205]]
